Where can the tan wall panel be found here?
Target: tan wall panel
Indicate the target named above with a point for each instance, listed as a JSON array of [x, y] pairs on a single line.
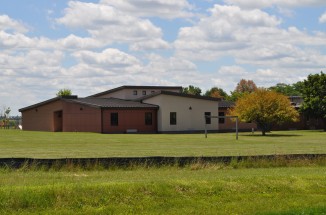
[[129, 93], [188, 119]]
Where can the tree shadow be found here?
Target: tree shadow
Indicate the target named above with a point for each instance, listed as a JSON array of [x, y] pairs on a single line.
[[272, 135]]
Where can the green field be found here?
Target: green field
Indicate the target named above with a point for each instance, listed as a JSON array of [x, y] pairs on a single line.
[[194, 189], [245, 187], [15, 143]]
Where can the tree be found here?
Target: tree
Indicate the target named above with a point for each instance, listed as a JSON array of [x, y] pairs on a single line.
[[314, 96], [246, 86], [216, 93], [243, 88], [264, 107], [64, 92], [192, 90], [4, 115], [287, 89]]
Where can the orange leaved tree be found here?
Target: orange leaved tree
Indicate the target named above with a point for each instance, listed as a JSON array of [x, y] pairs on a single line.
[[264, 107]]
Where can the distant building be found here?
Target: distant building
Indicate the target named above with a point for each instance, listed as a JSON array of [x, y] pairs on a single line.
[[144, 109]]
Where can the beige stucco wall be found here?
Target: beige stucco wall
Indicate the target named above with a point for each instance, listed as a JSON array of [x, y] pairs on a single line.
[[187, 120], [129, 93]]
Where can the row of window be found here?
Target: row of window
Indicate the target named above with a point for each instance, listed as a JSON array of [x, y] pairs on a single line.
[[115, 119], [173, 118], [135, 92]]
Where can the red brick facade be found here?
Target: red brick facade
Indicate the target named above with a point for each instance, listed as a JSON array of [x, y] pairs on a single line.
[[60, 115], [129, 119]]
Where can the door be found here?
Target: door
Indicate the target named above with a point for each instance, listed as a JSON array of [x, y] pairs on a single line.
[[57, 119]]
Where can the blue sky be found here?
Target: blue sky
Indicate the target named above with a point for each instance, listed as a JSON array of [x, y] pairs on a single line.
[[92, 46]]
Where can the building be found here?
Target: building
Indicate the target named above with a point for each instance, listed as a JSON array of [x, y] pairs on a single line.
[[143, 109], [228, 124]]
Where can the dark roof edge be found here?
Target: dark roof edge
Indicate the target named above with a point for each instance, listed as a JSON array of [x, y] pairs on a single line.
[[82, 103], [48, 101], [135, 87], [39, 104], [180, 95], [101, 107]]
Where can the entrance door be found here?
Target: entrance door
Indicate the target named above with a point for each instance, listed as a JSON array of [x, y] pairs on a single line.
[[57, 119]]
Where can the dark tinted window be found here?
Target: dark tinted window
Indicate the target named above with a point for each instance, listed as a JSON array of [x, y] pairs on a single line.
[[208, 120], [148, 118], [173, 118], [221, 120], [114, 119]]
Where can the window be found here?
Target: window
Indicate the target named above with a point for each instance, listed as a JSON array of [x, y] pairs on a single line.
[[135, 92], [152, 91], [221, 120], [173, 118], [114, 119], [208, 120], [148, 118], [144, 92]]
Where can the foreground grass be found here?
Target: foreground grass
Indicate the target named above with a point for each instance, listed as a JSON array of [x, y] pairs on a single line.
[[15, 143], [194, 189]]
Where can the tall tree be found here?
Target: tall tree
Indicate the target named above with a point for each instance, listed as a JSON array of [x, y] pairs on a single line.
[[314, 96], [216, 93], [246, 86], [264, 107], [243, 88], [64, 92], [192, 90]]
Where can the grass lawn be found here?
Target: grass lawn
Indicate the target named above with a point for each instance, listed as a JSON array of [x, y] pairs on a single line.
[[198, 188], [15, 143], [167, 190]]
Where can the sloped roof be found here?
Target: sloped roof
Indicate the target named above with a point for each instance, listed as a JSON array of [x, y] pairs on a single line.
[[137, 87], [178, 94], [96, 102], [226, 104], [111, 103], [47, 102]]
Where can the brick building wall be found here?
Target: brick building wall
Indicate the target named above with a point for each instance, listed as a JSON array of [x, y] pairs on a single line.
[[129, 119], [41, 118], [81, 118]]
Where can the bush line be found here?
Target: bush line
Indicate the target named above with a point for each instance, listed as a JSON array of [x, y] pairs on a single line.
[[131, 162]]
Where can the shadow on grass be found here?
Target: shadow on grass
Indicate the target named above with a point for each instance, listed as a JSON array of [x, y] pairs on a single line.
[[272, 135]]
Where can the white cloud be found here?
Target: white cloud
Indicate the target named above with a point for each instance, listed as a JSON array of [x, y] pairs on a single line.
[[251, 37], [322, 18], [153, 8], [76, 42], [226, 30], [6, 23], [109, 25], [109, 58], [270, 3]]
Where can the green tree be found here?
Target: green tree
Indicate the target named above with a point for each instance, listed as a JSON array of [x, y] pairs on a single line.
[[314, 96], [192, 90], [216, 93], [64, 92], [264, 107], [287, 89]]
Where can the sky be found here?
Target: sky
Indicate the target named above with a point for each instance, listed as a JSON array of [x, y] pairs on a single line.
[[90, 46]]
